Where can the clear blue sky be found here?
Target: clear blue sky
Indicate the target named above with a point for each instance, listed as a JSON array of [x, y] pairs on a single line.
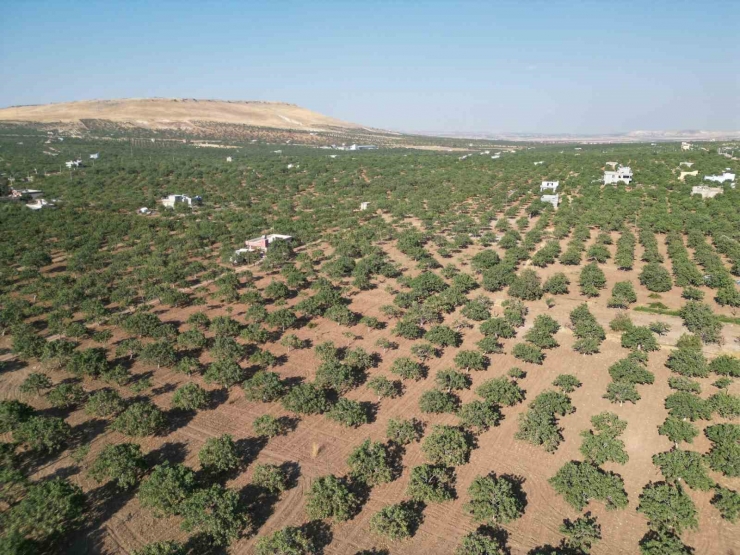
[[528, 66]]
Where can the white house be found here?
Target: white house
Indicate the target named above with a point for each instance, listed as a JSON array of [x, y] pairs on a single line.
[[686, 146], [94, 156], [172, 200], [552, 199], [73, 163], [539, 163], [726, 176], [362, 147], [707, 192], [228, 158], [40, 203], [364, 205], [261, 243], [549, 186], [622, 173]]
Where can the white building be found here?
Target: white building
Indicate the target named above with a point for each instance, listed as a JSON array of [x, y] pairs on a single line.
[[622, 173], [362, 147], [172, 200], [549, 186], [364, 205], [94, 156], [261, 243], [40, 203], [539, 163], [725, 176], [73, 163], [228, 158], [33, 193], [552, 199], [686, 146], [707, 192]]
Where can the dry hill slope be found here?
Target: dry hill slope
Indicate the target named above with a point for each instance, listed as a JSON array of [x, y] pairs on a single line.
[[178, 113]]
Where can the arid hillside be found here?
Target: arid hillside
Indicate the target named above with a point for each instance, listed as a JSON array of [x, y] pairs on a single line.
[[163, 113]]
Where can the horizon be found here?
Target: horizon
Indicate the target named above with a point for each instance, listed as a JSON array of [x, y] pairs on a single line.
[[433, 68]]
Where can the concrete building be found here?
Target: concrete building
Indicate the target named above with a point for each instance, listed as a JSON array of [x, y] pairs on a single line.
[[364, 205], [686, 146], [228, 158], [40, 203], [261, 243], [707, 192], [172, 200], [73, 163], [94, 156], [622, 173], [552, 199], [725, 176], [549, 186], [362, 147]]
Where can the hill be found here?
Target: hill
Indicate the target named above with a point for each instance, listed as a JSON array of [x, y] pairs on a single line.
[[169, 113]]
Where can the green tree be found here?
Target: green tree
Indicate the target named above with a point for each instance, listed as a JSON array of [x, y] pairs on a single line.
[[501, 391], [727, 502], [48, 434], [526, 286], [580, 483], [123, 463], [437, 402], [567, 383], [286, 541], [431, 484], [478, 543], [404, 432], [591, 280], [330, 498], [348, 413], [167, 488], [219, 454], [656, 278], [495, 500], [269, 477], [264, 386], [384, 388], [162, 548], [215, 512], [667, 508], [66, 395], [684, 466], [447, 445], [35, 383], [104, 402], [225, 373], [140, 419], [678, 430], [306, 398], [370, 463], [396, 522], [470, 360], [407, 369], [269, 426]]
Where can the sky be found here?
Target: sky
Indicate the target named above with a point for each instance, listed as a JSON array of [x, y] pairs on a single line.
[[532, 66]]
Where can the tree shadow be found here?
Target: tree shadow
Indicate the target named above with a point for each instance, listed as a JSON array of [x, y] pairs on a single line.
[[176, 419], [517, 489], [11, 365], [172, 451], [259, 502], [321, 534], [166, 388], [248, 449], [371, 410], [86, 431], [217, 397], [500, 536]]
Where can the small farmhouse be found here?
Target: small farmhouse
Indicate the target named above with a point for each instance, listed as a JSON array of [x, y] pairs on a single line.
[[73, 163], [552, 199], [725, 176], [40, 203], [172, 200], [261, 243], [622, 173], [549, 186], [707, 192], [94, 156], [364, 205], [686, 146]]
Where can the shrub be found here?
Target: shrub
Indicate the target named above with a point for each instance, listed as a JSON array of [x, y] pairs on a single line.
[[557, 284], [591, 280], [470, 360], [66, 395], [35, 383], [639, 338], [269, 426], [452, 380], [726, 365], [264, 386], [567, 383], [479, 415], [727, 503], [526, 286], [162, 548], [330, 498], [501, 391], [384, 388], [443, 336], [621, 322], [216, 513]]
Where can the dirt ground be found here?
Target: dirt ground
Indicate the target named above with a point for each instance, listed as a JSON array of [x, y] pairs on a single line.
[[122, 526]]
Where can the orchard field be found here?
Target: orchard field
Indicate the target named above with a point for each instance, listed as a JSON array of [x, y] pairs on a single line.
[[459, 369]]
